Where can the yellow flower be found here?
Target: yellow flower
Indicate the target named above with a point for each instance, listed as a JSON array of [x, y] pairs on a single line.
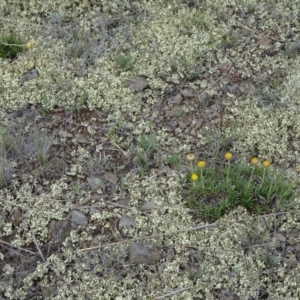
[[194, 177], [190, 157], [228, 155], [254, 160], [201, 164], [266, 163], [30, 45]]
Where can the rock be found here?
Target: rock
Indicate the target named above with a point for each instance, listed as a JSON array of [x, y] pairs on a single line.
[[60, 230], [264, 41], [203, 99], [79, 218], [227, 88], [123, 202], [138, 83], [94, 210], [182, 125], [199, 123], [111, 177], [143, 253], [65, 134], [279, 236], [175, 99], [95, 183], [17, 217], [57, 165], [187, 93], [290, 263], [291, 241], [30, 75], [126, 221], [16, 114], [81, 139]]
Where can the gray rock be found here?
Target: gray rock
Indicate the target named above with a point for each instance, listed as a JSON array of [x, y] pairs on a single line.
[[279, 236], [199, 123], [227, 88], [111, 177], [60, 230], [291, 263], [79, 218], [138, 83], [81, 139], [143, 253], [177, 99], [30, 75], [126, 221], [94, 210], [203, 99], [187, 93], [65, 134], [95, 183]]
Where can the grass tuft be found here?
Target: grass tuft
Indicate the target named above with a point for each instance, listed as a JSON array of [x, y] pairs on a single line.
[[10, 46], [214, 191]]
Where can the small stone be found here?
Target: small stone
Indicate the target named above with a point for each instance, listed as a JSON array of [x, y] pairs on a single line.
[[138, 83], [95, 183], [199, 123], [17, 217], [187, 93], [65, 134], [94, 210], [32, 74], [143, 253], [290, 263], [111, 177], [291, 241], [175, 99], [16, 114], [279, 236], [60, 230], [126, 221], [203, 99], [264, 41], [193, 132], [182, 125], [79, 217], [227, 88], [123, 202], [81, 139]]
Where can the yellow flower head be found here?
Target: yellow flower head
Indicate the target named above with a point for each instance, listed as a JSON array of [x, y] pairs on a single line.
[[30, 45], [266, 163], [228, 155], [201, 164], [194, 177], [190, 157], [254, 160]]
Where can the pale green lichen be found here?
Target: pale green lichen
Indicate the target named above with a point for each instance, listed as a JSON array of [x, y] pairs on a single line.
[[167, 35]]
